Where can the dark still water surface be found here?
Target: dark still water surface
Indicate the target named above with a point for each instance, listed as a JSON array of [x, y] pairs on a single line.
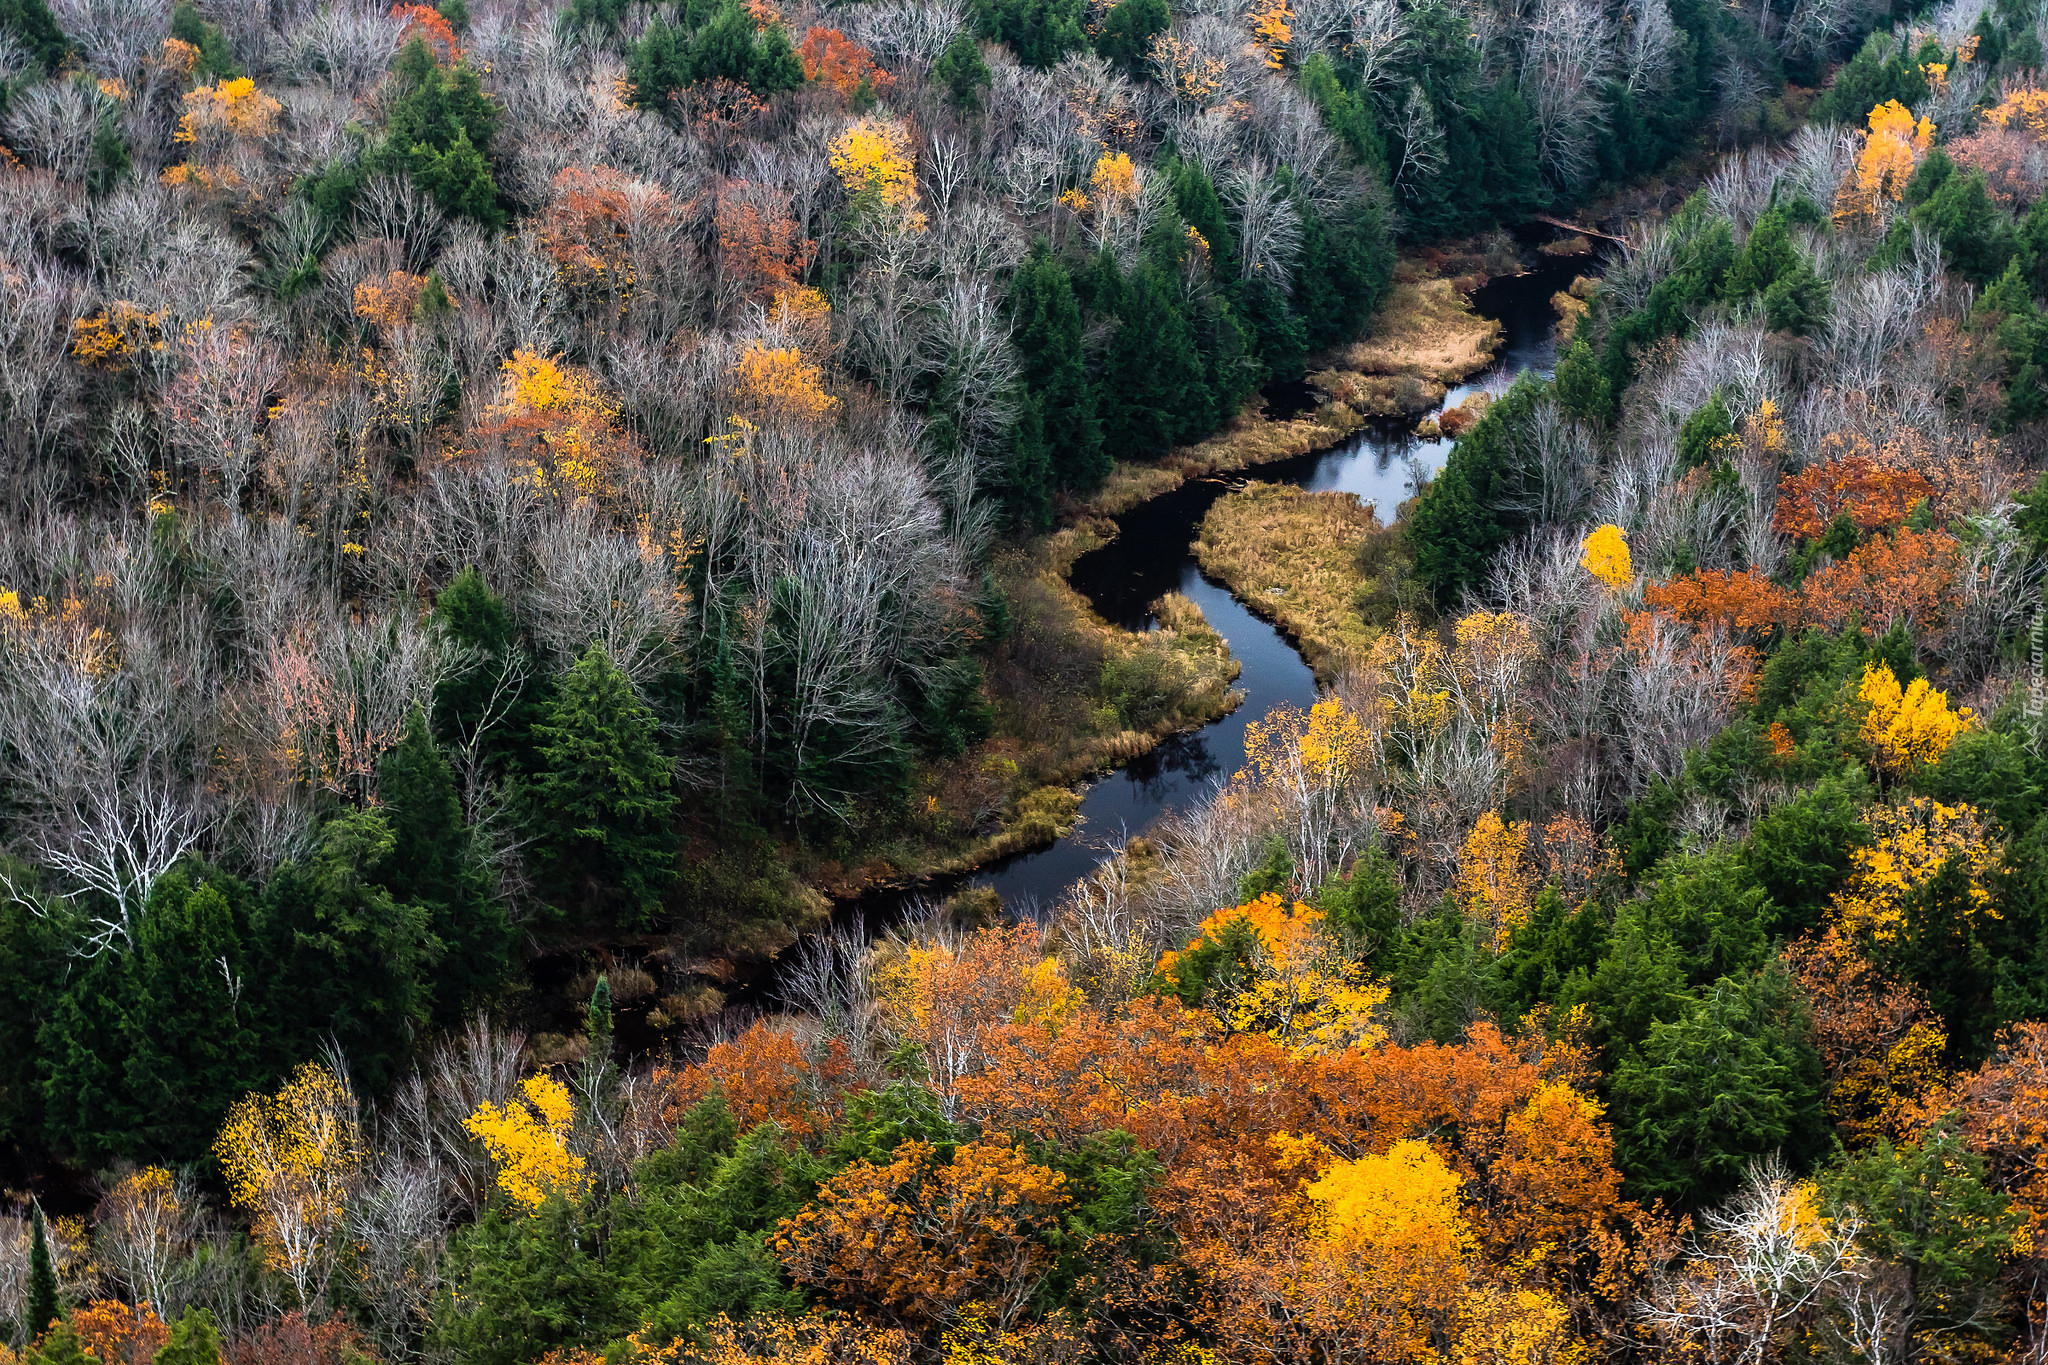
[[1151, 557]]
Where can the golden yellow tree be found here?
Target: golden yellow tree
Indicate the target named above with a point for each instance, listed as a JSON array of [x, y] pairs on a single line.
[[777, 381], [217, 118], [1891, 149], [1495, 880], [874, 163], [528, 1139], [291, 1161], [1911, 843], [1911, 726], [1604, 554]]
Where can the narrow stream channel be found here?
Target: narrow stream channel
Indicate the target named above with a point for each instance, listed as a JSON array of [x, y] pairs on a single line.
[[1151, 557]]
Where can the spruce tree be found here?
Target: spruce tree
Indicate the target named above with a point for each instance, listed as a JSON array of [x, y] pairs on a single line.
[[42, 1276], [1153, 373], [194, 1340], [31, 23], [191, 1053], [963, 71], [1047, 330], [1126, 37], [603, 804], [83, 1044], [430, 865], [340, 957], [485, 701]]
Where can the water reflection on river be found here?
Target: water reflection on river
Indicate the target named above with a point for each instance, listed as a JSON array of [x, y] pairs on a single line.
[[1150, 556]]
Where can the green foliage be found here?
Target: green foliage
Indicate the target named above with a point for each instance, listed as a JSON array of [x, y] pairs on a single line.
[[1040, 32], [1582, 387], [1926, 1208], [35, 28], [1881, 70], [438, 126], [216, 60], [1702, 433], [1735, 1078], [194, 1340], [1798, 850], [1046, 328], [61, 1345], [1978, 238], [1466, 513], [1127, 33], [1364, 905], [41, 1309], [1152, 367], [962, 70], [518, 1285], [338, 956], [604, 805], [431, 866]]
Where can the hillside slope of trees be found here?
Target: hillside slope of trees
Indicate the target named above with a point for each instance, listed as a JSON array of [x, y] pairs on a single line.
[[505, 500]]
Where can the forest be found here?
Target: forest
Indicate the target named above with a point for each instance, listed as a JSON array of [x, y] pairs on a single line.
[[524, 518]]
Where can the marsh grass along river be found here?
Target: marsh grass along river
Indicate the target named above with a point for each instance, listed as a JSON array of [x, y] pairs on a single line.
[[1151, 556]]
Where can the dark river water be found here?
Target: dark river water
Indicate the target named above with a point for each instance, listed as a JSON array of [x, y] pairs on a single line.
[[1151, 557]]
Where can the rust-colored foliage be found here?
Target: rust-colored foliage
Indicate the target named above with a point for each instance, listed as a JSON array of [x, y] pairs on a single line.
[[291, 1340], [1742, 602], [426, 23], [762, 248], [118, 1334], [1873, 1033], [590, 223], [2005, 1105], [767, 1075], [919, 1238], [833, 59], [1871, 496], [1907, 577]]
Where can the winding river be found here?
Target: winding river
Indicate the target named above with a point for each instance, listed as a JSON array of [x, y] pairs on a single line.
[[1151, 556]]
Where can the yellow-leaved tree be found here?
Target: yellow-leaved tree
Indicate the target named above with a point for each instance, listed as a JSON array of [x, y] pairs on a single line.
[[528, 1139], [1910, 726], [1891, 149], [1604, 554], [1272, 967], [1911, 843], [1496, 882], [873, 160], [291, 1160]]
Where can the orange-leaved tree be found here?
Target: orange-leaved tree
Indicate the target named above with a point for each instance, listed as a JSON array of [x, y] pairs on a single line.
[[1871, 496], [918, 1240], [767, 1075]]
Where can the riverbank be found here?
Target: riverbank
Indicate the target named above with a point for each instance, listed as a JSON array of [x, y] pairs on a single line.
[[1321, 566], [1425, 337]]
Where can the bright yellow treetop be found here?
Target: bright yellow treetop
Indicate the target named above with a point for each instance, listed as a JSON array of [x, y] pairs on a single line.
[[1605, 556], [1909, 726], [528, 1139]]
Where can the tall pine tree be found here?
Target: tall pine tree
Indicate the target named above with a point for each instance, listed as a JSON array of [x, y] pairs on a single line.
[[603, 804]]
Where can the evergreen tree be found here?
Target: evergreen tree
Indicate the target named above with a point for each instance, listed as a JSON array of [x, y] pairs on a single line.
[[341, 957], [29, 981], [1581, 386], [430, 865], [604, 808], [216, 60], [35, 28], [963, 71], [521, 1284], [437, 129], [1040, 32], [658, 66], [190, 1050], [1046, 328], [194, 1340], [1978, 239], [485, 700], [42, 1276], [1734, 1079], [1699, 440], [1469, 510], [60, 1346], [1153, 370], [83, 1046], [1126, 37]]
